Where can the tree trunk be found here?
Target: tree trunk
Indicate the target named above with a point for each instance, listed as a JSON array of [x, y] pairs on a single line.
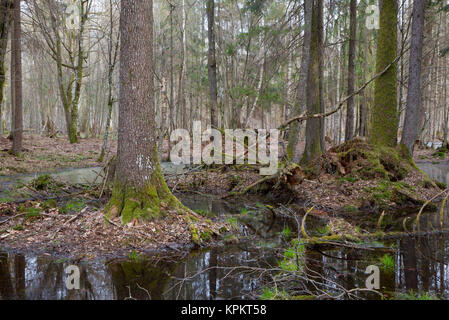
[[413, 108], [5, 22], [314, 127], [16, 59], [112, 59], [294, 131], [212, 63], [349, 132], [384, 128], [139, 186]]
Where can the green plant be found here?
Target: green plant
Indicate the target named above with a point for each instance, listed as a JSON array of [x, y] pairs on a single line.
[[233, 222], [292, 259], [411, 295], [42, 182], [387, 262], [274, 294], [205, 213], [351, 179], [323, 231], [439, 154], [349, 208], [287, 233], [136, 257], [72, 206]]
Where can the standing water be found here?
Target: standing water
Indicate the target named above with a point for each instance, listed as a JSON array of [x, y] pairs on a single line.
[[408, 264]]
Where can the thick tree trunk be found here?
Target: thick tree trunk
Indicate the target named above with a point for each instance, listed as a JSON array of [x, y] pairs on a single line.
[[384, 128], [139, 187], [314, 127], [413, 108], [212, 63], [16, 59], [349, 133]]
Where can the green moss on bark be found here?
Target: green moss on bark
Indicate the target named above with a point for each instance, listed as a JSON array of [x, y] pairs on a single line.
[[145, 203], [385, 114]]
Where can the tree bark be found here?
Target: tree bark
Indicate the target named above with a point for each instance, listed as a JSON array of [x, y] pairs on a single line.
[[212, 63], [139, 186], [5, 22], [294, 131], [413, 108], [16, 59], [349, 132], [384, 128], [314, 127]]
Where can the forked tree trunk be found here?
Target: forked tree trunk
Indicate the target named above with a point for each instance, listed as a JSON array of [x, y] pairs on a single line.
[[139, 187]]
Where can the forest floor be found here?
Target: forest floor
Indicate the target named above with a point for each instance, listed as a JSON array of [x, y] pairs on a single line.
[[43, 154], [68, 220]]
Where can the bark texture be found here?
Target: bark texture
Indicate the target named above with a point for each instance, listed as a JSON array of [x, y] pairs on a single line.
[[212, 63], [5, 22], [16, 58], [314, 127], [414, 102], [349, 135], [385, 125], [139, 188]]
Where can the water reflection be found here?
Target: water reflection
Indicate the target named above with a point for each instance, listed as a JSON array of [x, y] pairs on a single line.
[[420, 265], [200, 275]]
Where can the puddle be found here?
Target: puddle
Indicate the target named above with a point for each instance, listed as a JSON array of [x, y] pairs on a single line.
[[418, 264]]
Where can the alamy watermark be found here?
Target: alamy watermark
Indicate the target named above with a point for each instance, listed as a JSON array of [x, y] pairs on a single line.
[[373, 280], [72, 15], [372, 18], [72, 282], [239, 145]]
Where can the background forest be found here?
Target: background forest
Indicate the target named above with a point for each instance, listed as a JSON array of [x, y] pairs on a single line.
[[258, 65]]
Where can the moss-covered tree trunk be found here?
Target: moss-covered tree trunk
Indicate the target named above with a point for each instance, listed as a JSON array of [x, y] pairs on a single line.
[[314, 127], [139, 188], [384, 126]]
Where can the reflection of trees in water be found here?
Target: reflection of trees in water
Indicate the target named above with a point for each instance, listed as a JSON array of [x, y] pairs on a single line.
[[215, 274], [6, 288], [139, 280], [424, 264], [44, 279]]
